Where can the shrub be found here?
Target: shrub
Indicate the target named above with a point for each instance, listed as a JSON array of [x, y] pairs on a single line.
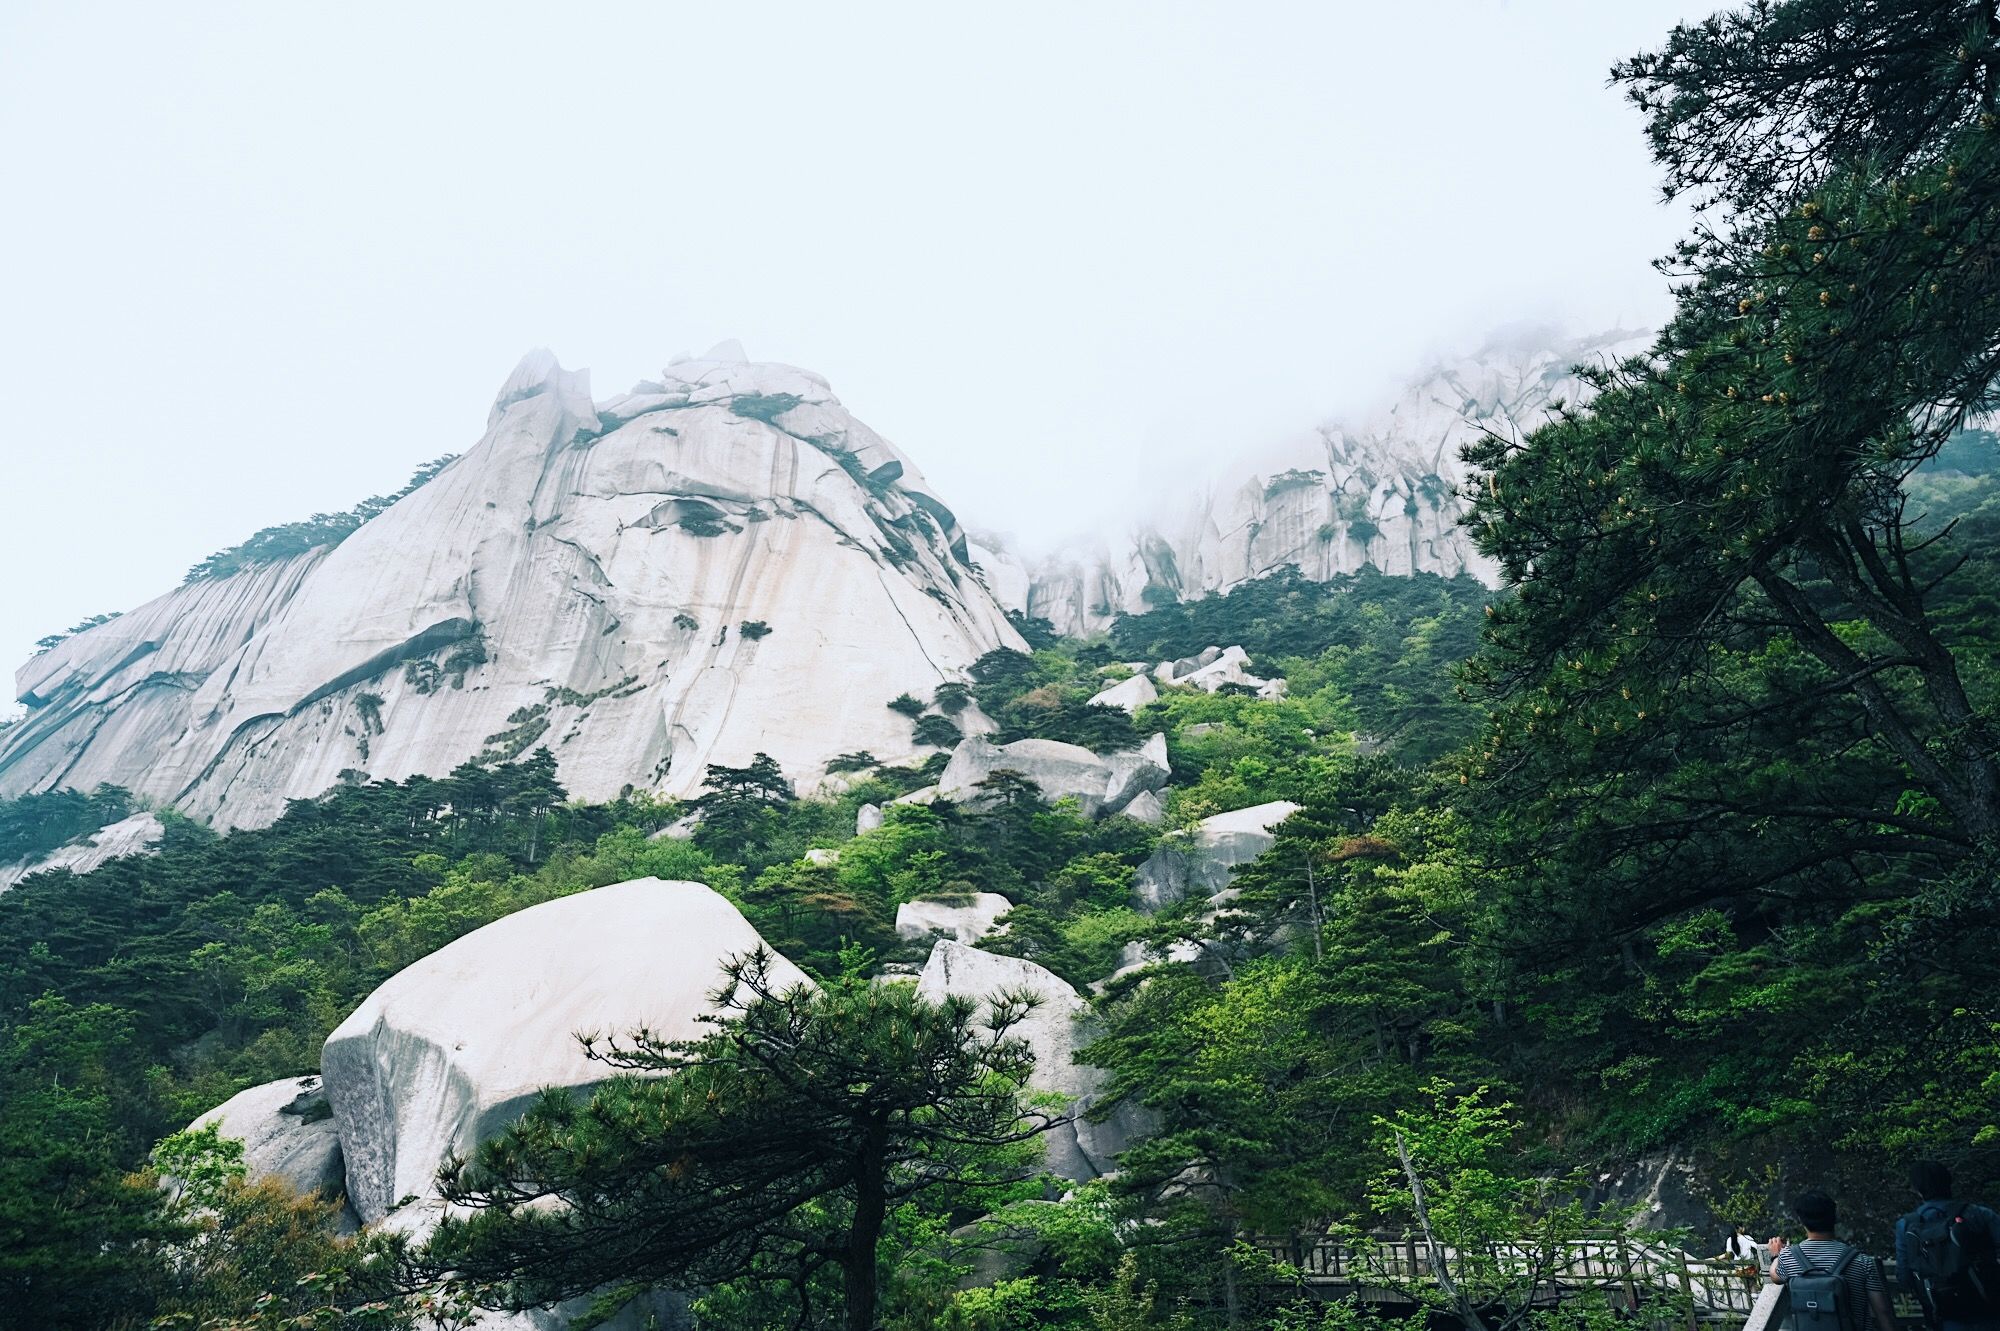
[[938, 732]]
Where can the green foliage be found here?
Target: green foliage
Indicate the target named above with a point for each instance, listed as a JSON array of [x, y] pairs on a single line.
[[81, 626], [1388, 643], [33, 825], [908, 704], [753, 629], [1743, 747], [938, 732]]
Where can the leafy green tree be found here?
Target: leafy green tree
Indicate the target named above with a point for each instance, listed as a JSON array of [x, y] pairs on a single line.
[[77, 1236], [776, 1146], [740, 806], [1495, 1237], [1744, 727]]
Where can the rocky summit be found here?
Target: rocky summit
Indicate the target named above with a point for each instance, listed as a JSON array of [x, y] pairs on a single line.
[[1383, 491], [719, 563]]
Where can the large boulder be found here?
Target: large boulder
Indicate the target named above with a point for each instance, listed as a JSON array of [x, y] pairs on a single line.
[[453, 1049], [1127, 695], [1130, 773], [1099, 785], [1201, 860], [967, 919], [1057, 1027], [287, 1132]]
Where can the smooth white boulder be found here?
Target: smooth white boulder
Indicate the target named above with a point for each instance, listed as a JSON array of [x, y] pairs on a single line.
[[867, 818], [287, 1134], [822, 857], [1201, 860], [1099, 785], [1127, 695], [1059, 1026], [453, 1048], [967, 921], [139, 834]]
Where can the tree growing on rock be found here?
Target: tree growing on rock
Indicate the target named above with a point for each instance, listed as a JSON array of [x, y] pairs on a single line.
[[775, 1150]]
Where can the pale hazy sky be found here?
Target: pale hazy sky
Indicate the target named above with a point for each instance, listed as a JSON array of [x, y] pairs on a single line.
[[263, 259]]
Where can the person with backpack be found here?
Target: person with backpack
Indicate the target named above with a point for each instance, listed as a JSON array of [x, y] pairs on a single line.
[[1834, 1285], [1946, 1254]]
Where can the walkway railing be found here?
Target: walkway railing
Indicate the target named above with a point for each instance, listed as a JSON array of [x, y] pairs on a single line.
[[1632, 1273]]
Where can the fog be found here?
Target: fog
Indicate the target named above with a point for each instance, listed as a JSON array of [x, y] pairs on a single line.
[[263, 260]]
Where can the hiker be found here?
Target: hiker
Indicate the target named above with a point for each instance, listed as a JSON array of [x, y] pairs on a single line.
[[1945, 1254], [1834, 1285], [1741, 1252]]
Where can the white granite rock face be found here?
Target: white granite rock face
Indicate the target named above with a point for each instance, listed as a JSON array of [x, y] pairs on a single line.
[[1100, 785], [1147, 807], [286, 1134], [867, 818], [137, 835], [1380, 492], [966, 922], [1127, 695], [1055, 1030], [1201, 860], [454, 1048], [591, 569]]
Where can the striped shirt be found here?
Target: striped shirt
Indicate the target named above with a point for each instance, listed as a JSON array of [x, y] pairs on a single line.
[[1862, 1277]]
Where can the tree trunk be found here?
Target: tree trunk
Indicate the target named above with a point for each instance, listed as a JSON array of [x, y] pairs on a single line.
[[864, 1233]]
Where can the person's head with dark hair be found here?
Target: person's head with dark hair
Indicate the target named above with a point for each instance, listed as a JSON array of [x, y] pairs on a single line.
[[1931, 1180], [1816, 1212]]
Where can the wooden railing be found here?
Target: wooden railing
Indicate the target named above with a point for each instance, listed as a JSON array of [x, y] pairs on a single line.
[[1630, 1272]]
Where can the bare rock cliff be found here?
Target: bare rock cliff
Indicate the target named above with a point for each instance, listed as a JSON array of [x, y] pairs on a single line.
[[722, 562]]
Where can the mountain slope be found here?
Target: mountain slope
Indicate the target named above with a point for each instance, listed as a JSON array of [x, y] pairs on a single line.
[[722, 562], [1381, 493]]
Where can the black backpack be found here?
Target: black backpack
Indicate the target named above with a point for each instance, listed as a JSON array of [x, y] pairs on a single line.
[[1951, 1261], [1818, 1296]]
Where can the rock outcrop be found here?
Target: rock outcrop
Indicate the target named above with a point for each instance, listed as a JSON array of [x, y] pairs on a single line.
[[1215, 668], [1199, 862], [138, 835], [455, 1047], [287, 1132], [966, 921], [1100, 785], [1057, 1027], [1127, 695], [1382, 491], [721, 562]]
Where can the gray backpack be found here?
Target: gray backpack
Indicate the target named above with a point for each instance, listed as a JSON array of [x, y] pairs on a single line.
[[1818, 1296]]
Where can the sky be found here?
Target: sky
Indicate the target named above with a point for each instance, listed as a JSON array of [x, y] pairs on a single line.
[[261, 260]]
